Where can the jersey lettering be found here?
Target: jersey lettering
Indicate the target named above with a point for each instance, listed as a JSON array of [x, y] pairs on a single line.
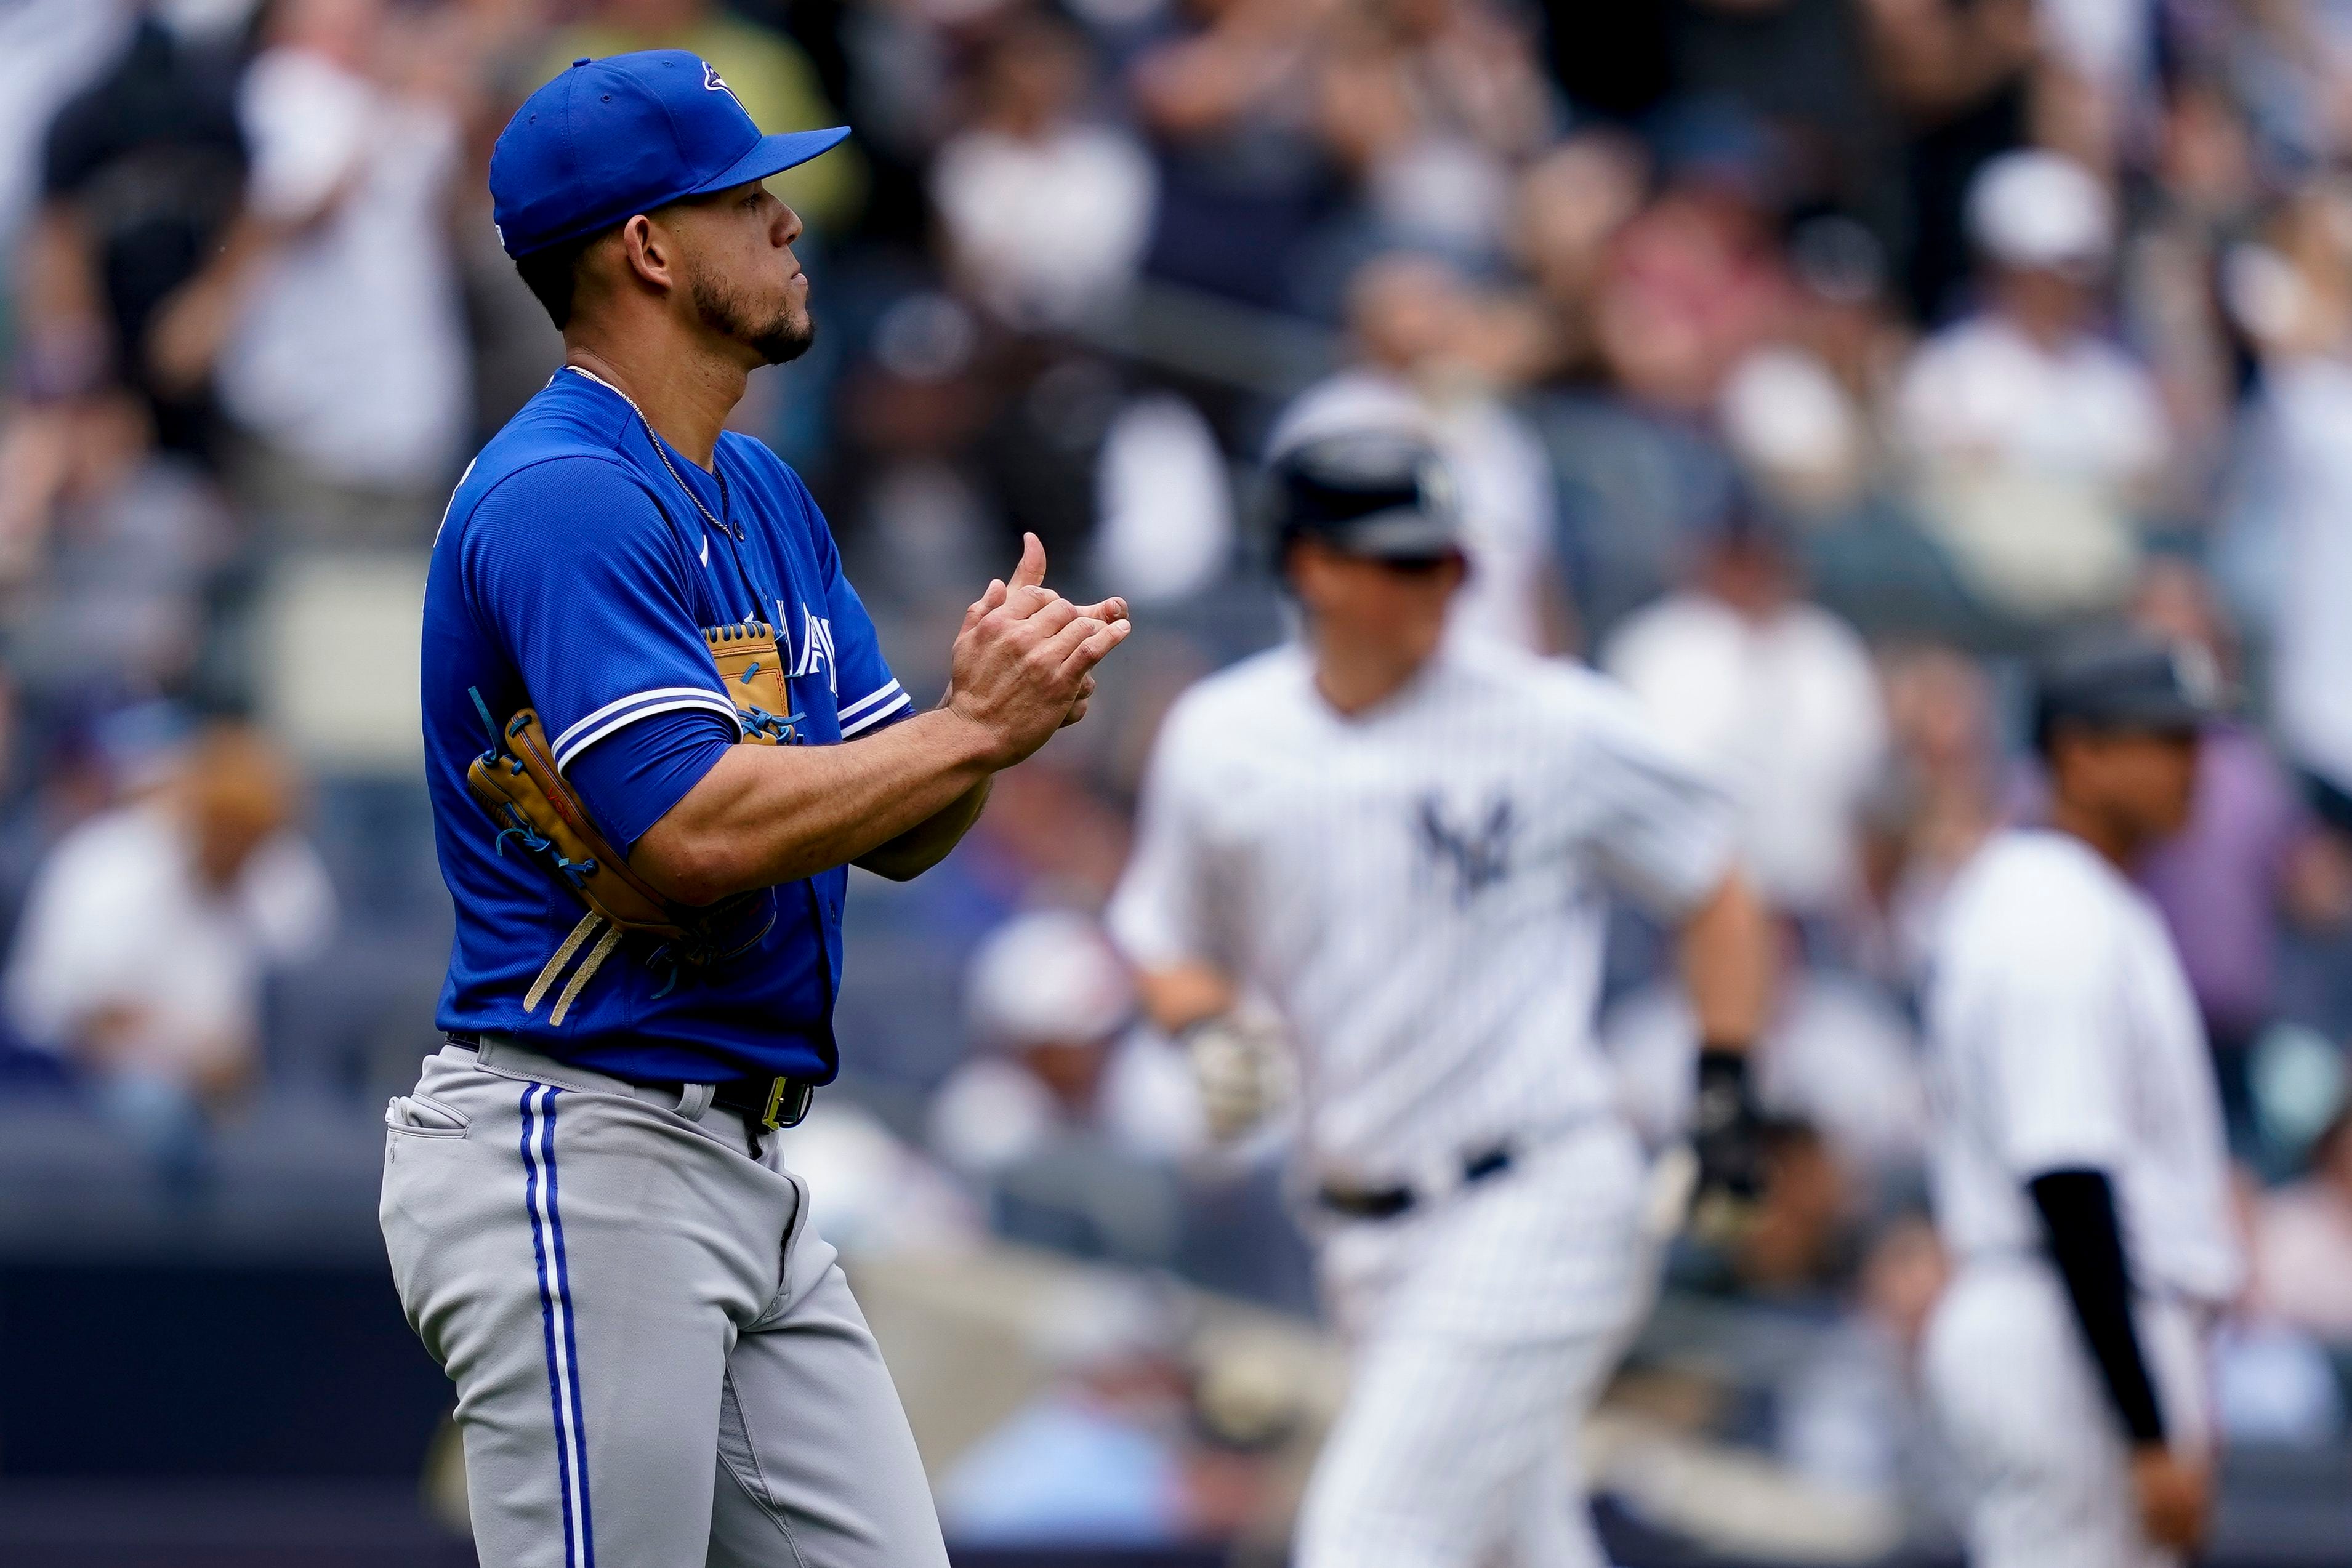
[[1477, 853]]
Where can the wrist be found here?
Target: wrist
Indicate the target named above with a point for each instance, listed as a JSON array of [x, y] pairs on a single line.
[[971, 745]]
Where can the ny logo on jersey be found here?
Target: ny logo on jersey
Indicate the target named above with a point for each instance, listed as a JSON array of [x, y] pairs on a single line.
[[1478, 853], [816, 648]]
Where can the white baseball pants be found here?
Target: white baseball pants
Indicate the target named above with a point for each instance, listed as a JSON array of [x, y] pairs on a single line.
[[2026, 1413], [1455, 1447]]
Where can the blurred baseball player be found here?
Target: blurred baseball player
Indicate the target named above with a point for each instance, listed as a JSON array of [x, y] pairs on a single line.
[[640, 659], [2081, 1178], [1401, 842]]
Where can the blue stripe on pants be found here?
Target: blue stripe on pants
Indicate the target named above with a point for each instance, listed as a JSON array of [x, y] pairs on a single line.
[[556, 1324]]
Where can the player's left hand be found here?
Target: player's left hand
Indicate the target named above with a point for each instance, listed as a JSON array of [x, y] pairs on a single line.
[[1107, 611], [1727, 1137], [2175, 1493]]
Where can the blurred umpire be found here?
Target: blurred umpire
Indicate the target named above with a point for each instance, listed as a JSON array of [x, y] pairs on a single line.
[[2081, 1178], [1398, 845]]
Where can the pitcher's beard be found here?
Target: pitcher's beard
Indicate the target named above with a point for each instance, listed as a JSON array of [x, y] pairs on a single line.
[[782, 336]]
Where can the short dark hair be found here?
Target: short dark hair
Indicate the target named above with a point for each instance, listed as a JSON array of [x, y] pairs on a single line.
[[552, 274]]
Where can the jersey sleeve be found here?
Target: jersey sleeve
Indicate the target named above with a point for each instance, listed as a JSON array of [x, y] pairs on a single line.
[[2054, 1046], [868, 695], [576, 574], [1161, 914], [1662, 831]]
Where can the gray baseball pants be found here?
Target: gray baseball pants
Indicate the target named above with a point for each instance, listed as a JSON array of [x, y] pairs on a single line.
[[658, 1362]]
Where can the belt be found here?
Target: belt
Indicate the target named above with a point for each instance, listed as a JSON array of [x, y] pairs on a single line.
[[766, 1105], [1389, 1202]]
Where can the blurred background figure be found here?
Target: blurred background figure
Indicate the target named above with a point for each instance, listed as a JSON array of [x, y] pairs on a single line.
[[349, 420], [2037, 443], [1076, 1114], [1778, 695], [143, 950]]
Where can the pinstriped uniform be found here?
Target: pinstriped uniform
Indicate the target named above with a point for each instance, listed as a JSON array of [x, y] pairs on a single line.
[[2064, 1035], [1419, 891]]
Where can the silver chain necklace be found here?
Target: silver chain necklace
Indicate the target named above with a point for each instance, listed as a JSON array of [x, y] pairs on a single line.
[[675, 478]]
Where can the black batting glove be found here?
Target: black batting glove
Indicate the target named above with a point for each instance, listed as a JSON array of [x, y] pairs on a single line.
[[1726, 1131]]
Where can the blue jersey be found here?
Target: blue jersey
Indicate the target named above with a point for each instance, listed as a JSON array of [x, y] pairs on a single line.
[[574, 573]]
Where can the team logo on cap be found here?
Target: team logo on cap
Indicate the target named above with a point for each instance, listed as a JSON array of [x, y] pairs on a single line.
[[713, 82]]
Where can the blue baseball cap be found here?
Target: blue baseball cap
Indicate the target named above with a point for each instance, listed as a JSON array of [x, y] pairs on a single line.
[[611, 137]]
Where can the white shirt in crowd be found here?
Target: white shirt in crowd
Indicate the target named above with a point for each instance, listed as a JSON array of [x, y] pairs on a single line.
[[2307, 411], [2063, 1035], [1418, 890], [351, 351], [992, 1112], [1497, 465], [2030, 455], [118, 918], [1786, 709], [1091, 189], [50, 50]]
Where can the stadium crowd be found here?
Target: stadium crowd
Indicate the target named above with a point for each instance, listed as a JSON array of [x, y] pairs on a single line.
[[1807, 364]]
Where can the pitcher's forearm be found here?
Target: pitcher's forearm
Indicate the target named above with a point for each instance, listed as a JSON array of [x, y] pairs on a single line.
[[772, 814], [927, 843]]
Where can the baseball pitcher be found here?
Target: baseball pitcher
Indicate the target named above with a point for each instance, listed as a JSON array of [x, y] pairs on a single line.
[[658, 730]]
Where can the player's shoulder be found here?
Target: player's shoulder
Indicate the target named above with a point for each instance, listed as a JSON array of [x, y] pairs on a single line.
[[1566, 692], [560, 442], [2035, 890], [1264, 687]]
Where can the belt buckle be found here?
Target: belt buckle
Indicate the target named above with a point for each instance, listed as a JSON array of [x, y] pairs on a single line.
[[788, 1103]]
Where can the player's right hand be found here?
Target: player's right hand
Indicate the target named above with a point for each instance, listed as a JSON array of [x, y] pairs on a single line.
[[1243, 1069], [2175, 1494], [1024, 658]]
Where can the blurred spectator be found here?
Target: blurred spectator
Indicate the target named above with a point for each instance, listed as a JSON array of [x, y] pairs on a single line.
[[1046, 215], [1944, 794], [1112, 1453], [768, 72], [128, 546], [2294, 296], [141, 174], [1432, 103], [144, 944], [2250, 856], [1078, 1114], [352, 414], [49, 49], [2034, 441], [1961, 78], [1569, 202], [1407, 316], [1776, 694], [1850, 1414], [1246, 183], [2303, 1240], [2272, 1380], [1165, 504]]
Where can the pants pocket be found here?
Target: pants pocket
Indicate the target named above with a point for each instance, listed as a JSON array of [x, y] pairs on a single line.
[[422, 1116]]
